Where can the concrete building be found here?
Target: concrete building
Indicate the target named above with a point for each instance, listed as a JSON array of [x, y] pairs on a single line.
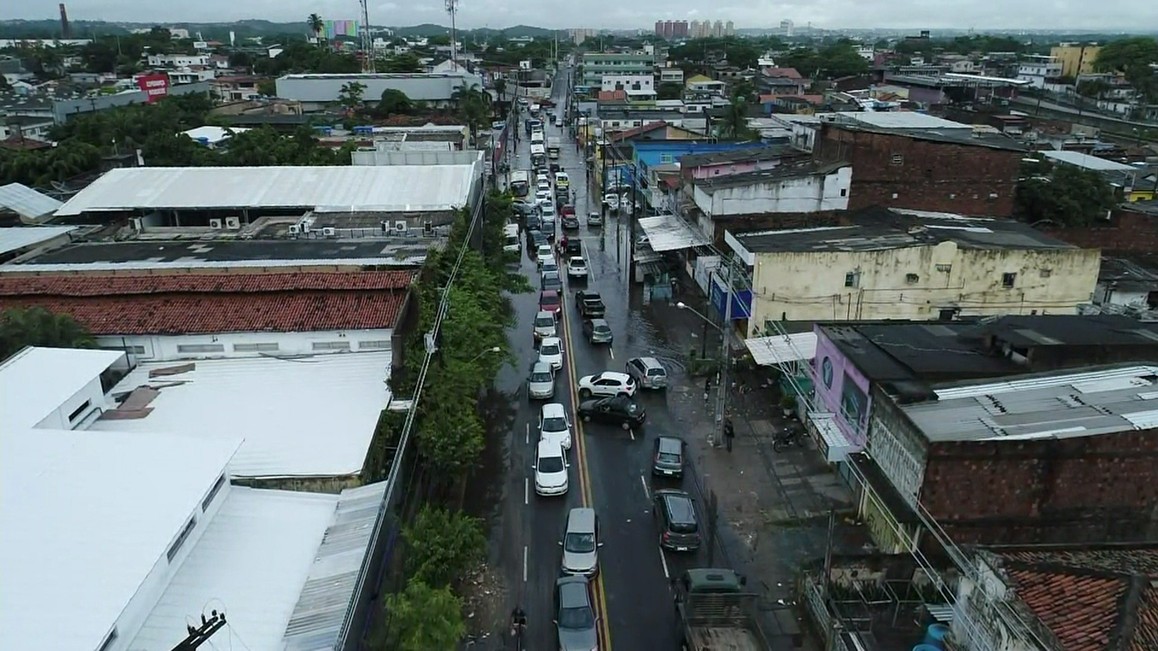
[[594, 65], [177, 60], [738, 161], [903, 264], [705, 84], [19, 241], [315, 91], [638, 88], [168, 537], [671, 76], [1075, 58], [28, 205], [911, 160], [1039, 70]]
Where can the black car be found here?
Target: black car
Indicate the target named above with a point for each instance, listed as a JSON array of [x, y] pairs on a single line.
[[574, 247], [533, 223], [535, 239], [676, 520], [555, 168], [570, 222], [618, 410]]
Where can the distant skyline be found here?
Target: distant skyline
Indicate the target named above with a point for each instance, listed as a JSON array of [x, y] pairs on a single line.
[[981, 15]]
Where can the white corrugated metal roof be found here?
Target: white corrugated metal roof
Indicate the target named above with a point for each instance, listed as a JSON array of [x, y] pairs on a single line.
[[213, 135], [901, 120], [13, 239], [392, 188], [26, 202], [781, 349], [1078, 159], [37, 381], [251, 562], [315, 418], [670, 233]]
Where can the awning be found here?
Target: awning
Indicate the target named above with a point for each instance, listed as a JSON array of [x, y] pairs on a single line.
[[781, 349], [670, 233], [829, 439]]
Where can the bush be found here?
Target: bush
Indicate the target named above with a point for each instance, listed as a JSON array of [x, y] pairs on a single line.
[[442, 546]]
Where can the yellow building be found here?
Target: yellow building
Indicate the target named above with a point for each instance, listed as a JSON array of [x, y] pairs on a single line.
[[903, 264], [1076, 59]]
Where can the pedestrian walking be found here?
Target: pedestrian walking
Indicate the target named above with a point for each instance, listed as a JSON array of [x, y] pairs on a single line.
[[729, 433]]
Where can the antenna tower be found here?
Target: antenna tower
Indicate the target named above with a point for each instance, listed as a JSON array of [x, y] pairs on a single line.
[[366, 43], [452, 9]]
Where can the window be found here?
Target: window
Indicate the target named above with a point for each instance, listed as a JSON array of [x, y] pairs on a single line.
[[666, 158], [108, 641], [1007, 280], [897, 159], [255, 348], [912, 278], [844, 192], [1046, 273], [212, 493], [132, 350], [331, 345], [374, 344], [852, 279], [944, 268], [76, 413], [176, 546], [201, 348]]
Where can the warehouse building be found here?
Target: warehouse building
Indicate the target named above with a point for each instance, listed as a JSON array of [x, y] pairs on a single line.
[[315, 91]]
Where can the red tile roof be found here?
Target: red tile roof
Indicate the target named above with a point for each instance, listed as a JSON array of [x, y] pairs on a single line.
[[1090, 599], [611, 95], [199, 304], [782, 73], [639, 131]]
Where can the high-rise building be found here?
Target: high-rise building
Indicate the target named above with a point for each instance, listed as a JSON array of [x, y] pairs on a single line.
[[659, 28], [729, 28], [680, 29], [786, 27], [718, 29]]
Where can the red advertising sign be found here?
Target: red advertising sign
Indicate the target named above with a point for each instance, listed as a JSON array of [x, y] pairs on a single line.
[[155, 86]]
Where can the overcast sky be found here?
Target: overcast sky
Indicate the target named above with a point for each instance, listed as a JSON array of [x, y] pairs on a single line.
[[909, 14]]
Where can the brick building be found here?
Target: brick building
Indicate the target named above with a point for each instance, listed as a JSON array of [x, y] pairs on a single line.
[[955, 170], [1132, 228]]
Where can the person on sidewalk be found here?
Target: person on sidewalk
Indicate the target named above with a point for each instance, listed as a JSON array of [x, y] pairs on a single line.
[[729, 433]]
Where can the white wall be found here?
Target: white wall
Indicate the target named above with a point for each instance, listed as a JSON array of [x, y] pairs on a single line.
[[1105, 294], [794, 194], [628, 82], [92, 393], [178, 60], [161, 348]]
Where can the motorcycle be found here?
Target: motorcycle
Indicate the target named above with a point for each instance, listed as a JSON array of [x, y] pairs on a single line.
[[788, 437]]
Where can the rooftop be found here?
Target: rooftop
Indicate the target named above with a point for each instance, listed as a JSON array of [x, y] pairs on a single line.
[[1053, 406], [745, 155], [1127, 275], [218, 303], [1085, 161], [26, 202], [1089, 598], [879, 229], [22, 237], [338, 189], [213, 135], [807, 168], [280, 407], [36, 381], [208, 254], [954, 135], [899, 120], [355, 76]]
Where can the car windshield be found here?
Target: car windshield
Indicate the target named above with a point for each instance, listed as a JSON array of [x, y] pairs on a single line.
[[657, 372], [576, 618], [556, 424], [545, 321], [669, 457], [541, 377], [549, 349], [550, 464], [602, 328], [581, 543]]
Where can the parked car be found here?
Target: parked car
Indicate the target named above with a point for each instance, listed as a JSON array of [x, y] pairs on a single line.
[[551, 352], [607, 383], [524, 207], [594, 220], [668, 457], [541, 382], [550, 468], [597, 331], [581, 542], [618, 410], [550, 301], [676, 521], [576, 267], [544, 253], [551, 280], [649, 372], [545, 325], [553, 424], [575, 618], [611, 200]]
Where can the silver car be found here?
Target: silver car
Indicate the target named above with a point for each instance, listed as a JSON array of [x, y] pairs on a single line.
[[541, 383], [648, 372], [545, 325], [581, 543], [575, 615]]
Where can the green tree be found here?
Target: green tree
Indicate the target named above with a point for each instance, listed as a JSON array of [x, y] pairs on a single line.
[[473, 106], [402, 64], [1062, 194], [36, 326], [316, 25], [733, 124], [350, 96], [1132, 57], [501, 88], [393, 102], [442, 546], [267, 87], [422, 618], [670, 90]]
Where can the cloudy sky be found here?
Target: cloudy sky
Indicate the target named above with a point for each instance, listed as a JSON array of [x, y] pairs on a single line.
[[909, 14]]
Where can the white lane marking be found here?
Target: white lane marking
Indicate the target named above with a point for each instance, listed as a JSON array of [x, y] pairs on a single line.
[[525, 564], [646, 490], [526, 490], [662, 559], [528, 437], [611, 352]]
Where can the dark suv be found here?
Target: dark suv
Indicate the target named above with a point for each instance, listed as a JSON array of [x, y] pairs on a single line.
[[675, 520]]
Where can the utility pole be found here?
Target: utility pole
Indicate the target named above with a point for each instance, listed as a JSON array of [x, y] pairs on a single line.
[[200, 635], [725, 361]]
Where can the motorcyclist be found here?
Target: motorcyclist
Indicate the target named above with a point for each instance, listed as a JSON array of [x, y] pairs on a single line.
[[518, 621]]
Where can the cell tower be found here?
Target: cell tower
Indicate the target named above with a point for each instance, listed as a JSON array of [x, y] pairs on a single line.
[[65, 29], [452, 9], [366, 43]]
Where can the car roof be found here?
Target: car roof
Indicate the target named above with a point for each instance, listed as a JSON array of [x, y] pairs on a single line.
[[581, 519], [649, 362], [540, 367], [670, 444], [579, 258], [573, 591], [597, 322], [614, 375], [548, 341], [548, 293], [678, 504], [553, 409], [544, 314], [550, 448]]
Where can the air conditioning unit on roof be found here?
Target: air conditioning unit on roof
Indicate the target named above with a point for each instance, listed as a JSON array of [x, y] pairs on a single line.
[[294, 229], [233, 223], [215, 223], [400, 226], [329, 232]]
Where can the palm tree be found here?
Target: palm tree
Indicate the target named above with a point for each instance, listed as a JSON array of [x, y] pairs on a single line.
[[473, 105], [36, 326], [316, 25], [734, 123]]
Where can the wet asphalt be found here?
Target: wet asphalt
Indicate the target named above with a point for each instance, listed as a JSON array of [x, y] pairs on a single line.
[[609, 468]]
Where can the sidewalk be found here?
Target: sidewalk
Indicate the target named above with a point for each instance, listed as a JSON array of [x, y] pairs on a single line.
[[773, 506]]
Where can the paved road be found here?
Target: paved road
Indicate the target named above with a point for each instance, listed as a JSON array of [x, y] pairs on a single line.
[[609, 468]]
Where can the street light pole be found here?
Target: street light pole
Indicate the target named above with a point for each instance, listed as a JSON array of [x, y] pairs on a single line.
[[725, 362]]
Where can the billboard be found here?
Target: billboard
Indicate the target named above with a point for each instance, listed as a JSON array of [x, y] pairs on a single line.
[[332, 29], [154, 86]]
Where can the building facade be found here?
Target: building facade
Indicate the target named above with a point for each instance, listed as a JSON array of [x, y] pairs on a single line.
[[317, 90], [636, 87], [1076, 58], [594, 65]]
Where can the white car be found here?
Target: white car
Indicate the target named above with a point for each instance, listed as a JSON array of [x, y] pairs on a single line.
[[576, 267], [611, 200], [554, 426], [541, 179], [550, 468], [547, 214], [544, 186], [607, 383], [549, 265], [543, 198], [551, 353], [544, 254]]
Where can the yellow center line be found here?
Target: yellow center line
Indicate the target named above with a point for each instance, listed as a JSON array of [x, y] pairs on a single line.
[[584, 478]]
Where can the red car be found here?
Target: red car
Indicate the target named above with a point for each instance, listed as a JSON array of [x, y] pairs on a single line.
[[567, 209], [550, 301]]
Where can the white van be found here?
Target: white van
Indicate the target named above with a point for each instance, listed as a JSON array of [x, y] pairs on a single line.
[[511, 238]]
